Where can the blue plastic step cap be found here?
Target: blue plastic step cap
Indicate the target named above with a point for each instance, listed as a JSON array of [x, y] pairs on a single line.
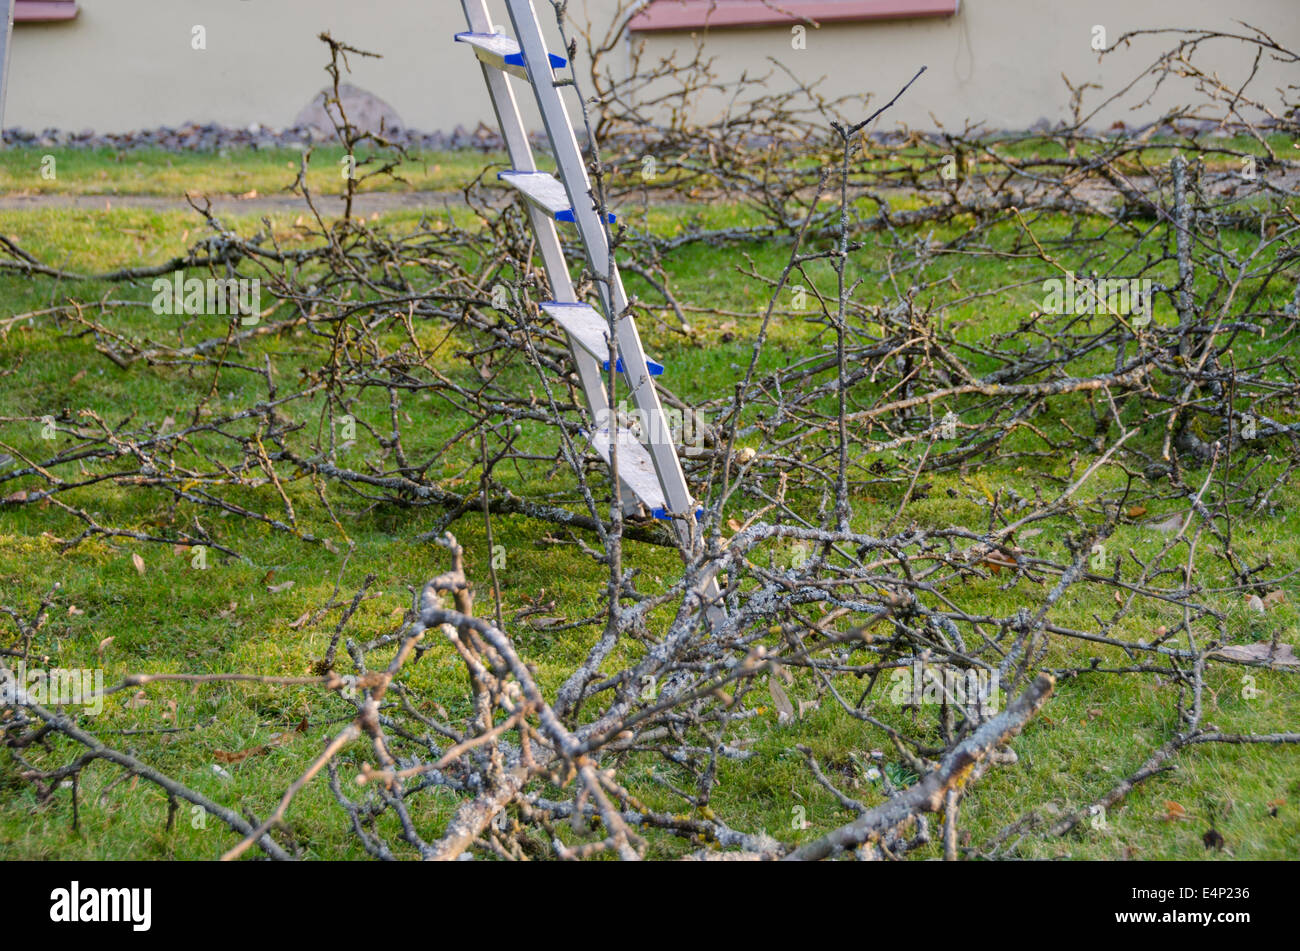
[[517, 59], [663, 516], [655, 369], [567, 216]]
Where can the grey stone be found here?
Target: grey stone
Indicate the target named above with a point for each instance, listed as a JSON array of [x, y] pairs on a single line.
[[364, 110]]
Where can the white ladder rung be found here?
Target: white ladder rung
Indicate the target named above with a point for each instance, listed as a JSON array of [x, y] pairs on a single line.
[[590, 331], [500, 51], [545, 191], [634, 467]]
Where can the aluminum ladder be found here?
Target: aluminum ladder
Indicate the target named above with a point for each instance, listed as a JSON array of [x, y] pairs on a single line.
[[650, 473]]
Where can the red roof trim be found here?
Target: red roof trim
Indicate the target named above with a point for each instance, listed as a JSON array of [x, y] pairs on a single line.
[[42, 11], [694, 14]]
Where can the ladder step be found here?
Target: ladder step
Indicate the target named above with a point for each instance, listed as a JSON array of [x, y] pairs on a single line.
[[590, 330], [501, 51], [545, 191], [634, 468]]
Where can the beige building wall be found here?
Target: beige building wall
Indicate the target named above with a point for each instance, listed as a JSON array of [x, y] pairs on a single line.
[[128, 64], [1001, 61]]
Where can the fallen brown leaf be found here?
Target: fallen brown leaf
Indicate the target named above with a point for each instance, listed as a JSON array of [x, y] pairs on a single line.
[[280, 739], [784, 710], [996, 561], [1261, 653], [1169, 524]]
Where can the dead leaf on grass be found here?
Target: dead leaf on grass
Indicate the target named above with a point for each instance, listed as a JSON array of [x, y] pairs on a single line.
[[1261, 653], [784, 711]]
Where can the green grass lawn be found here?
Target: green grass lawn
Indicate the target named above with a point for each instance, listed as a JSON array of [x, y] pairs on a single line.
[[28, 170], [235, 171], [173, 617]]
